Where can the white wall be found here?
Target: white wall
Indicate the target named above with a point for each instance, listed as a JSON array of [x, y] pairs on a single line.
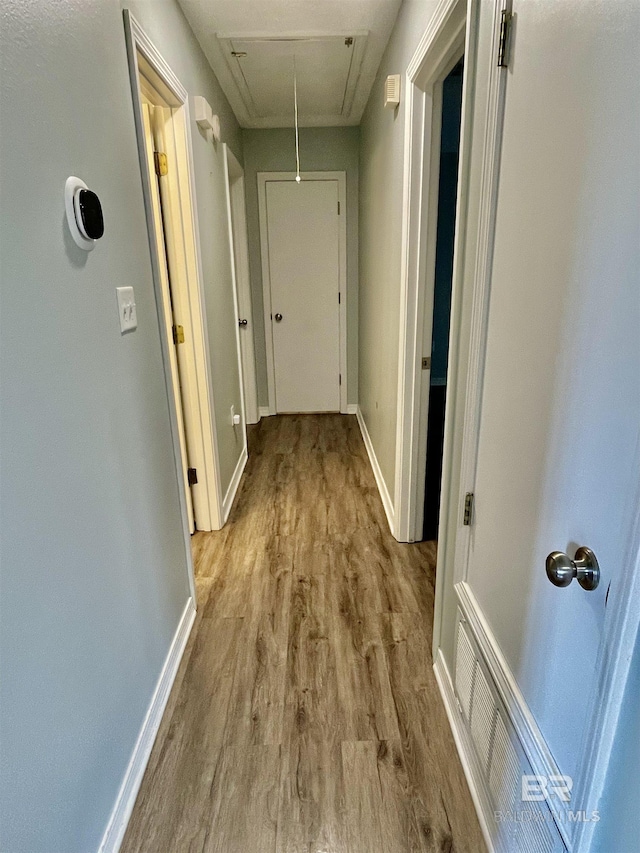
[[92, 553], [381, 178], [321, 149]]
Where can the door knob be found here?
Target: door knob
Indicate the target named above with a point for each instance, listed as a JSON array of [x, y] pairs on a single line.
[[278, 317], [561, 569], [242, 322]]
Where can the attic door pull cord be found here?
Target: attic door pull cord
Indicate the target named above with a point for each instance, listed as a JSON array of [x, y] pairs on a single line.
[[295, 104]]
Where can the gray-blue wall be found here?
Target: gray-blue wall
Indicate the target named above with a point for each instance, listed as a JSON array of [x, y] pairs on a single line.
[[94, 576]]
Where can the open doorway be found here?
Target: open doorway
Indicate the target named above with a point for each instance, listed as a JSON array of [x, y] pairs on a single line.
[[437, 152], [164, 145], [440, 319]]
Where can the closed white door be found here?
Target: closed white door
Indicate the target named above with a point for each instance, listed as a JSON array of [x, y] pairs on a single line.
[[304, 276], [557, 464]]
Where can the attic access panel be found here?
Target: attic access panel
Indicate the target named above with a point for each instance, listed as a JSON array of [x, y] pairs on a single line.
[[327, 69]]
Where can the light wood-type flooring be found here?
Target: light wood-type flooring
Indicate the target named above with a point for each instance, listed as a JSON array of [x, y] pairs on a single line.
[[305, 717]]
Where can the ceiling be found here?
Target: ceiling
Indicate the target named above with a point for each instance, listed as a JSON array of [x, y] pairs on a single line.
[[335, 47]]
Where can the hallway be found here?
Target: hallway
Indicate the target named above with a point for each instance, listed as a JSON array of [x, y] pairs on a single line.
[[305, 715]]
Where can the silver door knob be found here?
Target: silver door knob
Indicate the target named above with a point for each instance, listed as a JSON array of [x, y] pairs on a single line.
[[242, 322], [278, 318], [561, 569]]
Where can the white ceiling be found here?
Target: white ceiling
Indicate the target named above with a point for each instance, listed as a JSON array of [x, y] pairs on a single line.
[[334, 74]]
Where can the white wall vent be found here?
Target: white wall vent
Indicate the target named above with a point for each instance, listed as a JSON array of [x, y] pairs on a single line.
[[392, 91], [529, 827]]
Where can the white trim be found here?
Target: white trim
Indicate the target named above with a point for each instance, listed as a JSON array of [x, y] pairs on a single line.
[[138, 42], [377, 472], [117, 825], [352, 408], [527, 730], [341, 178], [466, 750], [264, 412], [440, 46], [232, 255], [243, 284], [233, 485], [483, 263]]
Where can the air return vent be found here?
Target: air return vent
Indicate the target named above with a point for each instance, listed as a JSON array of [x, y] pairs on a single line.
[[524, 827]]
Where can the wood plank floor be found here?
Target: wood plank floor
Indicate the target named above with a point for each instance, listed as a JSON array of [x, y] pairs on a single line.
[[305, 717]]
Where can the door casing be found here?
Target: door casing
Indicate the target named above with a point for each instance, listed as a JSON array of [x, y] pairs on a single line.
[[146, 63], [240, 247], [341, 178]]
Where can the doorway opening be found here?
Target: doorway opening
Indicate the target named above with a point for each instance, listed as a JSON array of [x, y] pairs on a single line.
[[440, 319], [164, 147]]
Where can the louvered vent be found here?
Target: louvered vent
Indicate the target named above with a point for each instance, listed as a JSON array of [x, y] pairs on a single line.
[[500, 757], [465, 669], [483, 714], [392, 91], [533, 835], [504, 775]]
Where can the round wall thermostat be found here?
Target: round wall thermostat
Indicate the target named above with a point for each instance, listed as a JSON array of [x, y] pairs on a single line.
[[84, 213]]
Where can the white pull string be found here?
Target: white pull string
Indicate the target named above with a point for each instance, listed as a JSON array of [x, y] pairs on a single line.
[[295, 105]]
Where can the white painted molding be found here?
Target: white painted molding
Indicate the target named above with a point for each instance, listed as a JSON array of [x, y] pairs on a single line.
[[466, 750], [264, 411], [377, 472], [352, 408], [233, 485], [439, 48], [128, 792], [481, 271], [524, 724]]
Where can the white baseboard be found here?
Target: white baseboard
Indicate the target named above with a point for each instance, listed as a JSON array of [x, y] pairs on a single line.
[[128, 792], [466, 750], [264, 411], [377, 473], [229, 498], [352, 408]]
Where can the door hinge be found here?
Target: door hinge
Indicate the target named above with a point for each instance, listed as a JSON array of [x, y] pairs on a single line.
[[192, 476], [160, 162], [338, 208], [426, 363], [504, 43], [468, 509], [178, 335], [339, 379], [338, 299]]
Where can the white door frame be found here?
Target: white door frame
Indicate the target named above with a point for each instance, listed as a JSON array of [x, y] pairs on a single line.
[[235, 175], [208, 511], [440, 48], [341, 178]]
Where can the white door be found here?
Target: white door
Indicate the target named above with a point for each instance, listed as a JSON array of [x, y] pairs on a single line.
[[304, 274], [558, 449], [148, 115]]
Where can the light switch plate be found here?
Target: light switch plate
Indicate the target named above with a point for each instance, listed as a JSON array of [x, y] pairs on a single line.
[[127, 309]]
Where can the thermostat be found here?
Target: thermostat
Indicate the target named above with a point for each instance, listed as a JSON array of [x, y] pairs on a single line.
[[84, 213]]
